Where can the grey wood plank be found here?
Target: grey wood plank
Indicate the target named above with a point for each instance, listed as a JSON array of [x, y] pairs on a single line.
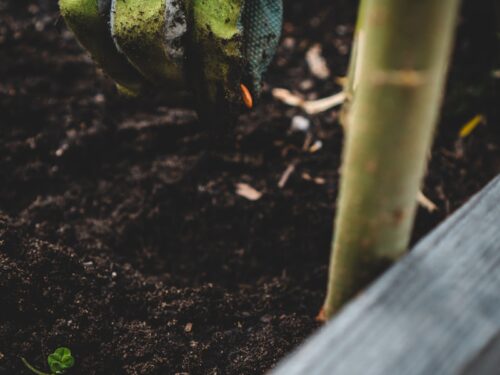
[[434, 312], [488, 360]]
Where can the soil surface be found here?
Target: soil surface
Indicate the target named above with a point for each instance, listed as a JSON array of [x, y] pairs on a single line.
[[122, 236]]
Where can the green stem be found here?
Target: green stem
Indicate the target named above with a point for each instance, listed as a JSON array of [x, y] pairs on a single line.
[[400, 76], [32, 368]]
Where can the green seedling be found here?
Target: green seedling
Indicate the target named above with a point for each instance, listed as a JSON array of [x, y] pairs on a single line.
[[59, 361]]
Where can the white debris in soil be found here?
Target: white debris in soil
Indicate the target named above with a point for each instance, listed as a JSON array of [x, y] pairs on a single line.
[[300, 124], [248, 192], [316, 146], [306, 84], [317, 63]]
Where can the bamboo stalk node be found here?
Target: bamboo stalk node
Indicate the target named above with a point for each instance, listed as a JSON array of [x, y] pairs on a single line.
[[400, 77]]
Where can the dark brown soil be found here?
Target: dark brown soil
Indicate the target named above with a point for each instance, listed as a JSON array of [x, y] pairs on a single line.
[[121, 235]]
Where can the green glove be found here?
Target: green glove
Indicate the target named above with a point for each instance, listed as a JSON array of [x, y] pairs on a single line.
[[211, 53]]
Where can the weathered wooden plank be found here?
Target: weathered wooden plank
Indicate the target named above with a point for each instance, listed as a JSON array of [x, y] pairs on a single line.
[[488, 360], [437, 311]]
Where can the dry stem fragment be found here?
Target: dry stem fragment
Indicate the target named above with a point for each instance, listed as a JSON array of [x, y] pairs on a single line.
[[309, 106], [426, 202], [286, 175], [248, 192], [316, 62]]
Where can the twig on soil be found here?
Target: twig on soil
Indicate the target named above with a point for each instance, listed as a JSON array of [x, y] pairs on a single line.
[[426, 202], [286, 175], [309, 106], [307, 142]]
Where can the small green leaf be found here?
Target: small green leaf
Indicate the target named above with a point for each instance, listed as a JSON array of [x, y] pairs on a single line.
[[62, 351], [68, 361], [56, 366], [53, 358], [60, 360]]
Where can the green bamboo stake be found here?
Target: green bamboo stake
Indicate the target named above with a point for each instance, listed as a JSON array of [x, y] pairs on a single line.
[[401, 75], [358, 39]]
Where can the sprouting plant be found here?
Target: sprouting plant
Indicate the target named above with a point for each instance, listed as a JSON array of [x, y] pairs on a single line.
[[59, 362]]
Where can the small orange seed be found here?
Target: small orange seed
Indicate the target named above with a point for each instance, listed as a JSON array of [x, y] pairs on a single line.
[[247, 97]]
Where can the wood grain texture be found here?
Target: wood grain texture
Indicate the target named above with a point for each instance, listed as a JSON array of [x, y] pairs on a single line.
[[435, 312]]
